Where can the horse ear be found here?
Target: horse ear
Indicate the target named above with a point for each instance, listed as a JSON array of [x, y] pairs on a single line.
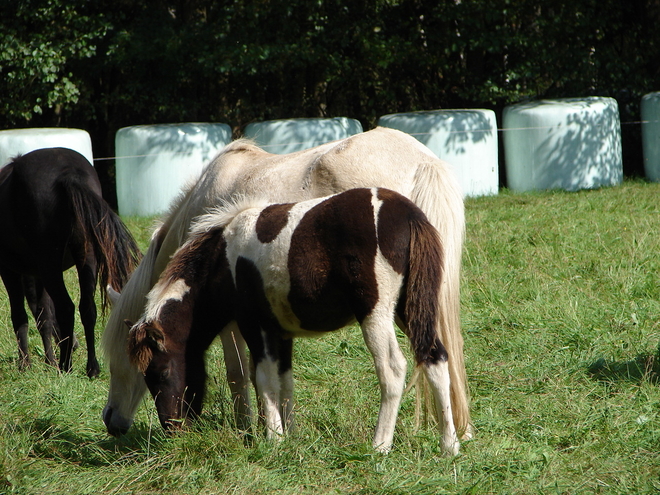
[[157, 338], [139, 351], [113, 295]]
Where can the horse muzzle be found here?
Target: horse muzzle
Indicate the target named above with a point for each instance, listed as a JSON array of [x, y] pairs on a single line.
[[114, 423]]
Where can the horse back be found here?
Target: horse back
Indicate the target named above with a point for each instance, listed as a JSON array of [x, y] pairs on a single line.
[[36, 209], [313, 265], [40, 180]]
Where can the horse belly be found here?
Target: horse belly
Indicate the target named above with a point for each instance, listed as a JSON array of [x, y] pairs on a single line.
[[325, 313]]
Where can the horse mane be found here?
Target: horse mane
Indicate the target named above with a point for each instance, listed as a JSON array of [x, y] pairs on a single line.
[[171, 229], [222, 215], [114, 343], [190, 262]]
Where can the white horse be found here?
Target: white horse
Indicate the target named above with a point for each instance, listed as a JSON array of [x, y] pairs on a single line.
[[378, 158]]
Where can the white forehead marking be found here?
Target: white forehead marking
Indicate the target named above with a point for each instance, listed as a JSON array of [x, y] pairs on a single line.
[[159, 296]]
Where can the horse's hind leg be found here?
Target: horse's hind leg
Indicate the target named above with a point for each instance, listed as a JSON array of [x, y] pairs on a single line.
[[437, 375], [238, 374], [379, 335], [87, 308], [64, 314], [19, 318], [42, 308]]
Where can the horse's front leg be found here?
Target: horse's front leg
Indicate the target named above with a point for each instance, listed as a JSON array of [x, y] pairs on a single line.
[[286, 385], [87, 308], [238, 376], [267, 382]]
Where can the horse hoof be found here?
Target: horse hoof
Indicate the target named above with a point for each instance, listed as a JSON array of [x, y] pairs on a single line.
[[383, 448], [468, 434], [451, 448], [93, 370], [64, 369]]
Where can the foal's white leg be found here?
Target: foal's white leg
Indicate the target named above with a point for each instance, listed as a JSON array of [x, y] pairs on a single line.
[[267, 381], [390, 365], [238, 376], [286, 397], [438, 377]]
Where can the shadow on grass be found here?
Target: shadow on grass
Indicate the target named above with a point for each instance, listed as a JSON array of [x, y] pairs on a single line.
[[645, 367], [89, 449]]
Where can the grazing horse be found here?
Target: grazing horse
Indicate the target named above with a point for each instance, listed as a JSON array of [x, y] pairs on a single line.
[[294, 270], [378, 158], [53, 217]]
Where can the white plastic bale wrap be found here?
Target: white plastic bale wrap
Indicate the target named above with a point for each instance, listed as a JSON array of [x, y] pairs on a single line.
[[21, 141], [291, 135], [651, 135], [570, 144], [466, 139], [155, 161]]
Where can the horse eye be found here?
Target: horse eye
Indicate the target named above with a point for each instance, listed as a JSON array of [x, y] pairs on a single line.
[[164, 374]]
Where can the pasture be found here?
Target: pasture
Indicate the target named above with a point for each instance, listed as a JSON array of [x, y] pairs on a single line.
[[561, 318]]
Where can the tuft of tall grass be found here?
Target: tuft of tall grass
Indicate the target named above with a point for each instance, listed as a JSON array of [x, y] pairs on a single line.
[[561, 318]]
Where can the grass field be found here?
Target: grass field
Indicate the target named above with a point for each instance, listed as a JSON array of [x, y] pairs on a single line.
[[561, 317]]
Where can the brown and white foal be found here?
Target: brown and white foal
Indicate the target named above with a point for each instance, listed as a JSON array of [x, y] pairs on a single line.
[[294, 270]]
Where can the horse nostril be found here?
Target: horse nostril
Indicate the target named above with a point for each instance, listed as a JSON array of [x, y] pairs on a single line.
[[113, 429], [107, 414], [172, 424]]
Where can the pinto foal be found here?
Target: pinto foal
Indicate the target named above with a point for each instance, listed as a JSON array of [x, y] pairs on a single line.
[[293, 270]]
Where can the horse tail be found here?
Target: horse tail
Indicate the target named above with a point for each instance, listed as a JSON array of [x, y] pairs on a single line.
[[438, 194], [115, 249]]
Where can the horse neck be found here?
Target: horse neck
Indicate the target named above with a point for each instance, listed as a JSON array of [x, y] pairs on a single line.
[[198, 296]]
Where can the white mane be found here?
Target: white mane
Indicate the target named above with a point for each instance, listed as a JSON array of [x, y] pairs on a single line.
[[222, 215]]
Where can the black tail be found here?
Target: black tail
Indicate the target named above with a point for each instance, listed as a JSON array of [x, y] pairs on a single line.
[[115, 249]]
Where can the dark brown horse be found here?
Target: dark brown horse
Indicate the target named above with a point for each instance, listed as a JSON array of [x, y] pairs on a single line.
[[53, 217], [294, 270]]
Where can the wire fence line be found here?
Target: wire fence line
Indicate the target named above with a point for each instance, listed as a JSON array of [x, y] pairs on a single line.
[[414, 134]]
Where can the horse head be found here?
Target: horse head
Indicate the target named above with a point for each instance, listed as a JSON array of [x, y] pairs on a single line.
[[162, 361]]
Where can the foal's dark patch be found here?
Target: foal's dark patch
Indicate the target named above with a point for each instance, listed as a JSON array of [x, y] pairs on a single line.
[[255, 314], [394, 228], [331, 262], [271, 221]]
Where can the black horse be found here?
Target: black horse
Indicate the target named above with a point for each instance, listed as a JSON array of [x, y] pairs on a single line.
[[52, 217]]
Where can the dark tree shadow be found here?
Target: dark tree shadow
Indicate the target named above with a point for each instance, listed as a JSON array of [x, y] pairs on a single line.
[[179, 139], [583, 151], [289, 136], [145, 150], [644, 367], [462, 127]]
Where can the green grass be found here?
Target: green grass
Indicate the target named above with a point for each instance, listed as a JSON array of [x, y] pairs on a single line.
[[561, 317]]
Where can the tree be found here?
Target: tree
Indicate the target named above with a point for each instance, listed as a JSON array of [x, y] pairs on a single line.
[[41, 43]]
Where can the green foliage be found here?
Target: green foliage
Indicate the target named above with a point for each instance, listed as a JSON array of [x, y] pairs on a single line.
[[110, 64], [560, 312], [42, 45]]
